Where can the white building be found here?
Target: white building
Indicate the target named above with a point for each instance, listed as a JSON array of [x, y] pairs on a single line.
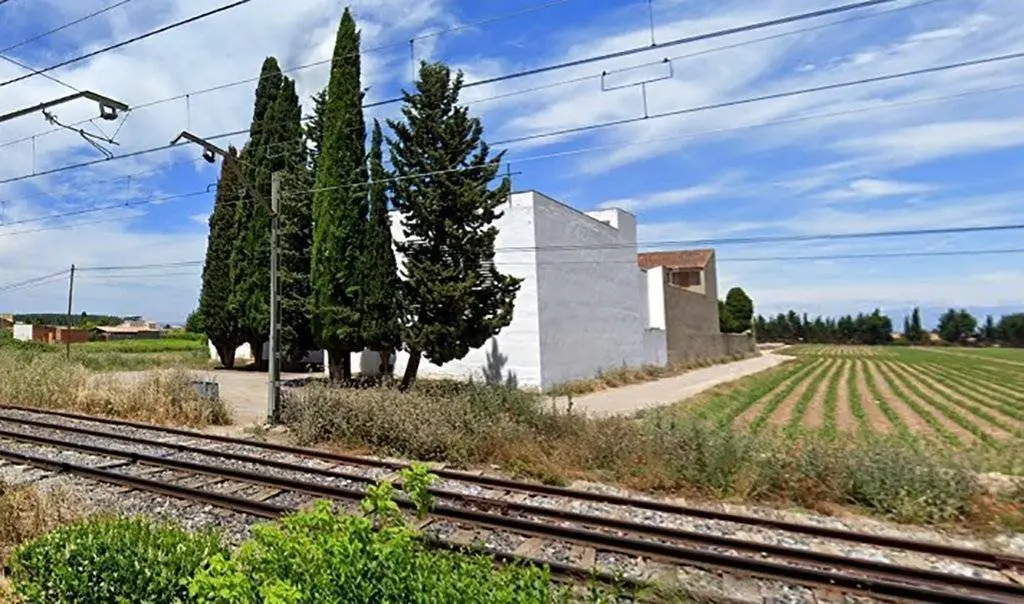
[[582, 305], [585, 303]]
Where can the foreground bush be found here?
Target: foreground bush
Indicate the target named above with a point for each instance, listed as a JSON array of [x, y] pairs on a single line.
[[111, 560], [49, 381], [320, 556], [906, 481], [27, 512]]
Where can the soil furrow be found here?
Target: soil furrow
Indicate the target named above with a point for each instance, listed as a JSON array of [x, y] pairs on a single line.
[[875, 418], [753, 411], [814, 412], [915, 423], [979, 415], [922, 406], [844, 417], [781, 414]]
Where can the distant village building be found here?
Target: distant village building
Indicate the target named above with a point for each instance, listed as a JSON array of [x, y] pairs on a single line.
[[50, 334], [131, 328]]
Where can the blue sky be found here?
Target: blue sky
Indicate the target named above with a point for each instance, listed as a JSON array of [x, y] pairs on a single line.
[[931, 151]]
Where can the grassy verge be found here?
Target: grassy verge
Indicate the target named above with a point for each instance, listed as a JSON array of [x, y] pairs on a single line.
[[667, 450], [624, 376], [124, 355], [50, 382]]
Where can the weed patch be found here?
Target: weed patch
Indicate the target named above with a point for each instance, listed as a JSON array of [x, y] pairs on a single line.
[[50, 382], [27, 512]]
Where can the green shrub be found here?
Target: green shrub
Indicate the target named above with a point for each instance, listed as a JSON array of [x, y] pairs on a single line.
[[111, 560], [319, 556]]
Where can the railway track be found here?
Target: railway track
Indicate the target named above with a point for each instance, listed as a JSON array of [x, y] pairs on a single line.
[[528, 521]]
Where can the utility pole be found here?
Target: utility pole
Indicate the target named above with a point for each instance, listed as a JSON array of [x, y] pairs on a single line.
[[71, 293], [210, 152], [273, 365]]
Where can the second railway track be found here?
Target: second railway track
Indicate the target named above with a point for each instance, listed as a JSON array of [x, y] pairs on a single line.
[[530, 518]]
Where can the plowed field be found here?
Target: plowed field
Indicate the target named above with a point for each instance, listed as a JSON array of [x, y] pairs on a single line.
[[959, 397]]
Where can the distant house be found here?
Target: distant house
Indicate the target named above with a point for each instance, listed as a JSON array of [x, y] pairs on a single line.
[[7, 322], [682, 288], [49, 334], [132, 328]]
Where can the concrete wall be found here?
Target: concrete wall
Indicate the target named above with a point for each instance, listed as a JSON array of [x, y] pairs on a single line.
[[655, 347], [591, 305], [515, 352], [687, 311], [693, 346]]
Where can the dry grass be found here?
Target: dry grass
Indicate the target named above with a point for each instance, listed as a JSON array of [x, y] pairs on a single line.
[[27, 512], [472, 425], [50, 382], [624, 376]]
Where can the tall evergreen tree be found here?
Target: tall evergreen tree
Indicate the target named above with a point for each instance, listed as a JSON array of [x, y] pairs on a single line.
[[741, 309], [916, 333], [381, 301], [340, 208], [218, 318], [455, 297], [250, 260], [287, 145], [315, 129]]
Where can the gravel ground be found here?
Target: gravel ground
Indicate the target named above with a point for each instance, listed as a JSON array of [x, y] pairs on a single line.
[[200, 516]]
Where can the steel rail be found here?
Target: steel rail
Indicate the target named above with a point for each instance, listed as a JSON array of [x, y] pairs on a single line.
[[870, 576], [961, 554], [994, 559], [271, 511]]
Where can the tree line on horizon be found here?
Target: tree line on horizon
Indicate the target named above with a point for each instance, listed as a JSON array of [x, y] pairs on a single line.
[[340, 287], [953, 327]]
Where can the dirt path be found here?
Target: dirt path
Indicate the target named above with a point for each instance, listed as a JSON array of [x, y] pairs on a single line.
[[915, 423], [877, 421], [629, 399], [814, 415], [962, 405], [945, 422]]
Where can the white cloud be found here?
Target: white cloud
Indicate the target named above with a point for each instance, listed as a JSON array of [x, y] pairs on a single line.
[[664, 199], [868, 188]]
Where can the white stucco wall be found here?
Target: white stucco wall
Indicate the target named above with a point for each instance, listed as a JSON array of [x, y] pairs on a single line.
[[516, 350], [23, 332], [591, 308], [655, 279]]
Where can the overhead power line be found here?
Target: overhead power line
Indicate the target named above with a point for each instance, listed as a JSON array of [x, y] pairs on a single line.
[[32, 281], [678, 41], [689, 110], [766, 97], [124, 43], [91, 15]]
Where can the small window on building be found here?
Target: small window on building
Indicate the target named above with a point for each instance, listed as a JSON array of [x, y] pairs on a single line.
[[682, 278]]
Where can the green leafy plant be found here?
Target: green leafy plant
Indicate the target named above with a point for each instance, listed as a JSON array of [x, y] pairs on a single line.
[[319, 556], [416, 481], [111, 560], [379, 504]]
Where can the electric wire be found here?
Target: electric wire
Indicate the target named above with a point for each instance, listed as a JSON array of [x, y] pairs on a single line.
[[551, 155], [677, 112], [74, 22], [766, 97], [20, 284], [124, 43], [700, 37]]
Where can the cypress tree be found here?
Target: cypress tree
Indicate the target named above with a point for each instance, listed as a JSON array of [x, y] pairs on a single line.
[[340, 208], [315, 130], [218, 319], [287, 145], [741, 310], [455, 297], [250, 259], [381, 300]]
